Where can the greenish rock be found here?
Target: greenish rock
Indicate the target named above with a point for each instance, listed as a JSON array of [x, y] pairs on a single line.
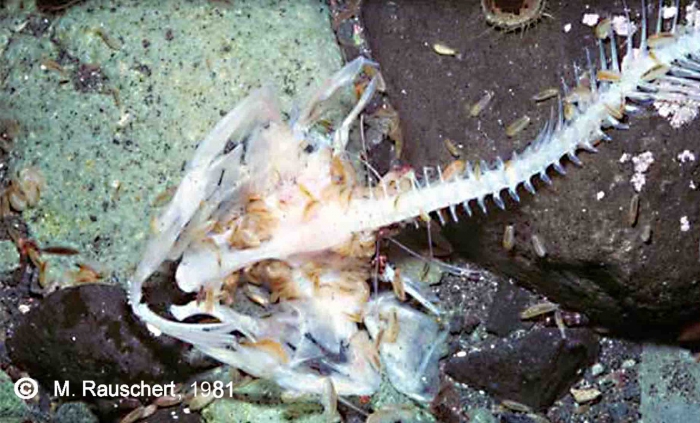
[[235, 411], [418, 270], [9, 257], [481, 415], [669, 378], [75, 412], [390, 402], [112, 102], [5, 35], [387, 395], [260, 401], [12, 409]]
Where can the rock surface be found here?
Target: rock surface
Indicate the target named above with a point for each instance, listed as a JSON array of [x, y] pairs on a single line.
[[88, 333], [504, 314], [595, 262], [173, 414], [75, 412], [670, 383], [533, 369], [447, 406], [12, 408], [110, 99]]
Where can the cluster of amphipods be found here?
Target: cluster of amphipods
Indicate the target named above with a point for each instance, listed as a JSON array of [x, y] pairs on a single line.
[[286, 216], [265, 219], [23, 191]]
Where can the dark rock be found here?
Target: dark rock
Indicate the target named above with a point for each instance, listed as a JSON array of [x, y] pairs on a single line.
[[619, 412], [10, 226], [504, 314], [516, 418], [346, 32], [447, 406], [631, 391], [381, 155], [173, 414], [534, 369], [54, 6], [454, 345], [89, 333], [354, 413], [456, 324], [89, 78], [471, 322], [114, 408], [596, 262]]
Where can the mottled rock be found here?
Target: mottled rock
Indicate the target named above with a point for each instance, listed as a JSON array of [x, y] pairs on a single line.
[[75, 412], [533, 369], [88, 333], [516, 418], [456, 324], [11, 407], [669, 380], [595, 261], [447, 406], [471, 322]]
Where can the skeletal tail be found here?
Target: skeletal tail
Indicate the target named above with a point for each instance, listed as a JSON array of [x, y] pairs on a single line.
[[665, 68]]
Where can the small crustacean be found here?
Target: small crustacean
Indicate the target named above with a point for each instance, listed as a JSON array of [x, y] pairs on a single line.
[[538, 245], [565, 319], [515, 406], [397, 284], [444, 50], [30, 255], [164, 197], [52, 65], [452, 148], [551, 314], [538, 310], [111, 42], [543, 309], [85, 274], [509, 237], [603, 29], [545, 94], [134, 415], [518, 125], [476, 109], [633, 212], [645, 236], [168, 400], [24, 191]]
